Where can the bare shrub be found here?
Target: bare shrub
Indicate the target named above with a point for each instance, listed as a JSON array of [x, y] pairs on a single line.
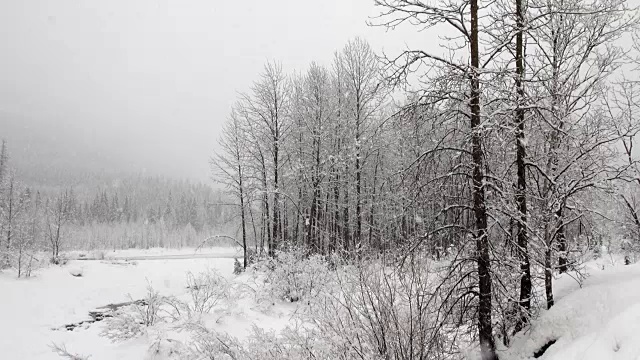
[[370, 310], [59, 260], [149, 312], [23, 261], [164, 348], [291, 343], [26, 264], [62, 351], [210, 344], [207, 291], [383, 312]]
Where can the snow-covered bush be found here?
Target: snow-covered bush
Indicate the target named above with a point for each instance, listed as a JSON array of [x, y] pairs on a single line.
[[237, 267], [291, 343], [59, 260], [209, 344], [382, 312], [164, 348], [206, 291], [124, 325], [367, 310], [133, 320], [288, 344], [292, 276], [149, 310]]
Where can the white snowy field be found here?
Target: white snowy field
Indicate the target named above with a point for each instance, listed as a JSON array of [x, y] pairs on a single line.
[[187, 252], [31, 308], [600, 320]]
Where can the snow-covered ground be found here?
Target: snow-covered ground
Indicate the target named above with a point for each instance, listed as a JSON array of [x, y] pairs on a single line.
[[31, 308], [220, 251], [598, 321]]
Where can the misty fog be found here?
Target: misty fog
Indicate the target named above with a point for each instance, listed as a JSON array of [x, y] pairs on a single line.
[[144, 86]]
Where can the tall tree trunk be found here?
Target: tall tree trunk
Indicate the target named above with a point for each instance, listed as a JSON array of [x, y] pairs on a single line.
[[346, 238], [357, 238], [373, 201], [313, 212], [552, 166], [299, 230], [485, 332], [57, 247], [336, 213], [521, 191], [562, 242], [298, 214], [276, 196], [267, 215], [242, 216], [548, 276], [10, 216], [284, 225], [253, 226], [633, 213], [313, 221]]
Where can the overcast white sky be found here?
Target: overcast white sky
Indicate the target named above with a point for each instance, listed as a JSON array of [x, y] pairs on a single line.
[[146, 84]]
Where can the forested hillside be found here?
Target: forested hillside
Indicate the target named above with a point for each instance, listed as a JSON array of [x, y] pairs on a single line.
[[105, 212]]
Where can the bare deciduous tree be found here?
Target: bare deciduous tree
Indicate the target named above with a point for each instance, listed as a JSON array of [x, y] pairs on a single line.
[[59, 213]]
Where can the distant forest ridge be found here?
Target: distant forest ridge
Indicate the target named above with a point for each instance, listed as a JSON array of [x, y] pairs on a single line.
[[119, 211]]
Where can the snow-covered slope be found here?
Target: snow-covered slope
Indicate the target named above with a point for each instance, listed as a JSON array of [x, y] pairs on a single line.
[[599, 321]]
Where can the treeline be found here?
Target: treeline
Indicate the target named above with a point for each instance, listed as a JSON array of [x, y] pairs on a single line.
[[305, 155], [132, 212], [154, 200], [509, 159]]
